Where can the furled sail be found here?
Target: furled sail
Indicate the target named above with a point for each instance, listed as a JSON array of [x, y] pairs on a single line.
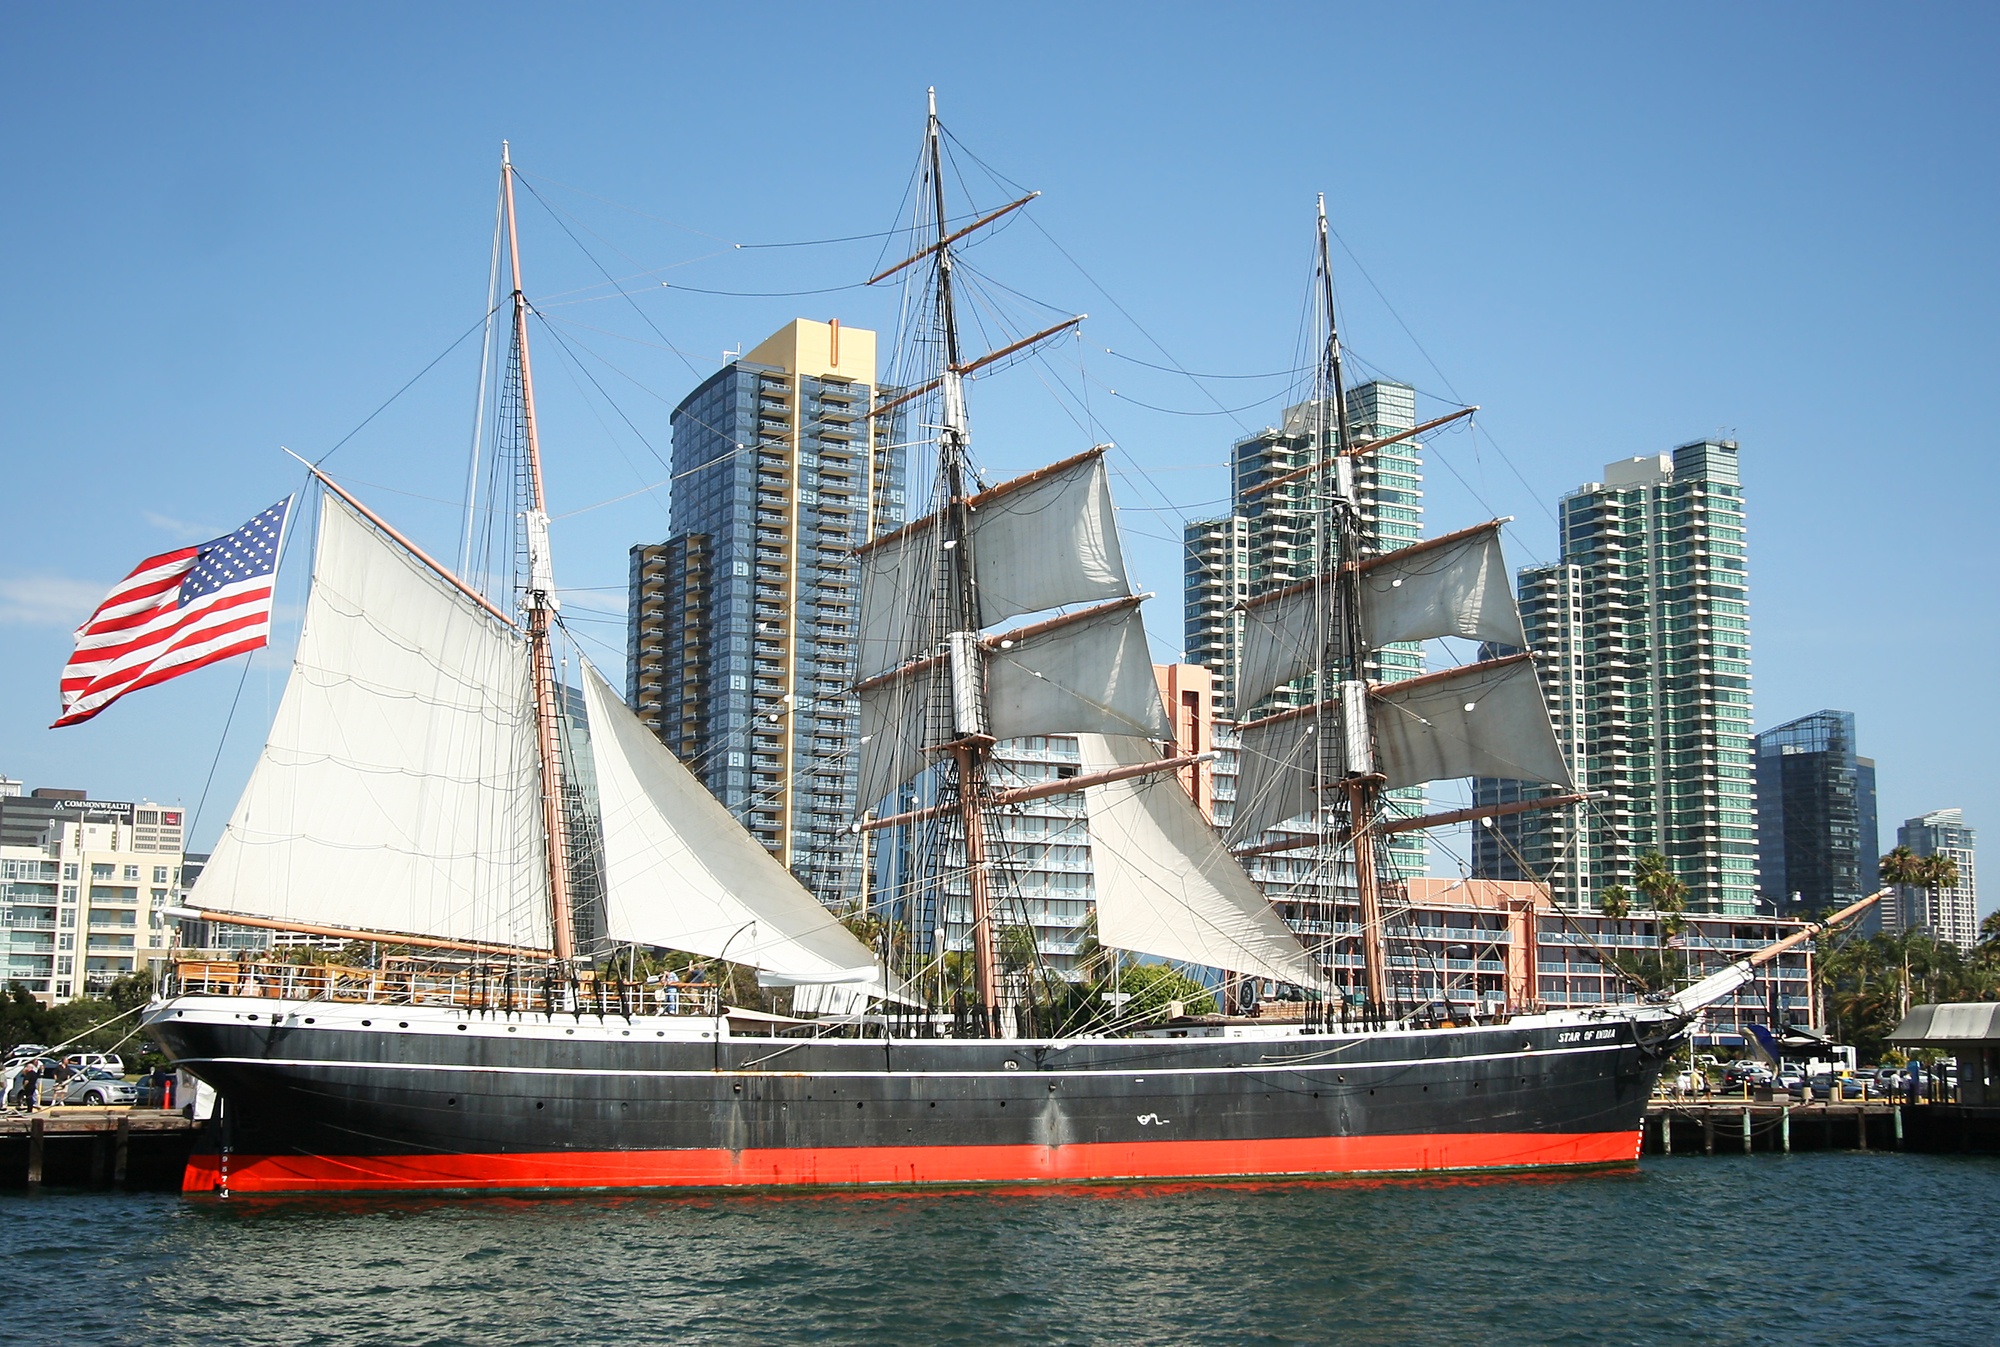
[[1164, 883], [1087, 672], [1455, 585], [681, 872], [1486, 719], [1043, 540], [399, 787]]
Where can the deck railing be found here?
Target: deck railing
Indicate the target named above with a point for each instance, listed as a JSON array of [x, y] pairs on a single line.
[[499, 988]]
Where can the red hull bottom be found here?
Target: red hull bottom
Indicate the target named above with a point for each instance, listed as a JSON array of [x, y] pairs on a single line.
[[839, 1167]]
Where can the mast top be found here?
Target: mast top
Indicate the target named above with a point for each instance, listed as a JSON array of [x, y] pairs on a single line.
[[505, 161]]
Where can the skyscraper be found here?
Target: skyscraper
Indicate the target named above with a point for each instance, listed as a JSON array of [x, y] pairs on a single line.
[[1269, 540], [1641, 633], [1950, 914], [1816, 844], [742, 622]]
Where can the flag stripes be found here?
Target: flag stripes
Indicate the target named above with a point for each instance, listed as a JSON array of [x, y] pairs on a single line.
[[176, 612]]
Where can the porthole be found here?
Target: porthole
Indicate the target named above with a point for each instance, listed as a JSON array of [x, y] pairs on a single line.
[[451, 1103], [569, 1031], [309, 1019], [367, 1023], [461, 1028], [511, 1029], [402, 1024], [538, 1103]]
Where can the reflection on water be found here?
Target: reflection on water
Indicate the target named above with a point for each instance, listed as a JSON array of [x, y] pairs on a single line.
[[1800, 1249]]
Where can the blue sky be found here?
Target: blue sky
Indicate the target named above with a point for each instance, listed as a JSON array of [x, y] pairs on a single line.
[[1616, 229]]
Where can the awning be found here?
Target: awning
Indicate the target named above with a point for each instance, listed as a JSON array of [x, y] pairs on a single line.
[[1969, 1022]]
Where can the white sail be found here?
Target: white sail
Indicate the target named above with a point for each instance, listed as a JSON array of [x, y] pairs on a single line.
[[1040, 541], [1450, 586], [1088, 672], [1164, 883], [1484, 719], [399, 787], [1481, 720], [681, 872], [1274, 773]]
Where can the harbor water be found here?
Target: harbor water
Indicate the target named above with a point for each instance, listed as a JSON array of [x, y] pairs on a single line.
[[1829, 1247]]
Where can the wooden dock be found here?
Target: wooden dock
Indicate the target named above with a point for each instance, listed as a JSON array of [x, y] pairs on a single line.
[[1751, 1126], [129, 1148]]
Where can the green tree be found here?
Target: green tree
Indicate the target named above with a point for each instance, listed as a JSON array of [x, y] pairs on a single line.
[[1152, 985], [1901, 867], [1615, 901]]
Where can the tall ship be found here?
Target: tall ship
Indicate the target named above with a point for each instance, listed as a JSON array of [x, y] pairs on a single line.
[[418, 792]]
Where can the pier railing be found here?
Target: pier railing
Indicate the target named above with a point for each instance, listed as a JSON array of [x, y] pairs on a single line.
[[498, 988]]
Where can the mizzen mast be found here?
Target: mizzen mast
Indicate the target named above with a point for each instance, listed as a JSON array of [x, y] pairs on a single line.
[[960, 597], [541, 605]]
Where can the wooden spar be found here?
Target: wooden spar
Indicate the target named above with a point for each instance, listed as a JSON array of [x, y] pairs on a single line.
[[1410, 825], [986, 497], [541, 654], [1065, 786], [370, 937], [1368, 890], [1365, 447], [1797, 938], [933, 249], [973, 366], [408, 546], [985, 966], [1449, 816], [1400, 555]]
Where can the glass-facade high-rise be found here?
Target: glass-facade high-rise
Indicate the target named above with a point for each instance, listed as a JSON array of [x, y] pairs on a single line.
[[742, 623], [1949, 914], [1641, 633], [1816, 842]]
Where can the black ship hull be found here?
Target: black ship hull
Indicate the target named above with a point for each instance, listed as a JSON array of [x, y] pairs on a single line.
[[349, 1099]]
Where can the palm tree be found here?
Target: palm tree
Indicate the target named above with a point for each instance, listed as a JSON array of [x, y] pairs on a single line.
[[1615, 901], [1655, 878]]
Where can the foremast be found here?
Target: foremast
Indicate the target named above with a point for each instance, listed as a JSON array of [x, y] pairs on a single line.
[[1343, 737], [540, 601]]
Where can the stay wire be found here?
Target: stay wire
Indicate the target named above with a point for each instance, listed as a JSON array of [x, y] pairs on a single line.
[[456, 343]]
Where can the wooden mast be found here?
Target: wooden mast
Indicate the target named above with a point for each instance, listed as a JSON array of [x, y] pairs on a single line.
[[972, 742], [1346, 747], [541, 600]]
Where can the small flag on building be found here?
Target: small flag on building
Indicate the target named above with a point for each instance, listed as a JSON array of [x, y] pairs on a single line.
[[174, 613]]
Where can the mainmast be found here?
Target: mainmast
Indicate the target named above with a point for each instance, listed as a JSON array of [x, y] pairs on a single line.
[[960, 597], [1344, 742], [541, 606]]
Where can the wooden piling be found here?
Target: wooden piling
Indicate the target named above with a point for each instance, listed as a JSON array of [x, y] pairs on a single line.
[[35, 1127], [1861, 1128], [122, 1151], [1708, 1134], [1746, 1131], [1785, 1129]]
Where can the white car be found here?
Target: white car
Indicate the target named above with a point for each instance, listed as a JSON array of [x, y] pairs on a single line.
[[96, 1061]]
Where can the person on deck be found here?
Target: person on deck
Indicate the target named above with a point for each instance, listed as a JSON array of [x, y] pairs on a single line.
[[30, 1083]]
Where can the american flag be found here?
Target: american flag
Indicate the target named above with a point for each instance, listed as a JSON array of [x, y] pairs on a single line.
[[174, 613]]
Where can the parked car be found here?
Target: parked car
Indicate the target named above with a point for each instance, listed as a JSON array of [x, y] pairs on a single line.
[[1739, 1075], [22, 1051], [1888, 1079], [154, 1088], [10, 1077], [99, 1061], [98, 1088]]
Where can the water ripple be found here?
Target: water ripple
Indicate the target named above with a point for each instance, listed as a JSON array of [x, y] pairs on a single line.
[[1687, 1251]]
